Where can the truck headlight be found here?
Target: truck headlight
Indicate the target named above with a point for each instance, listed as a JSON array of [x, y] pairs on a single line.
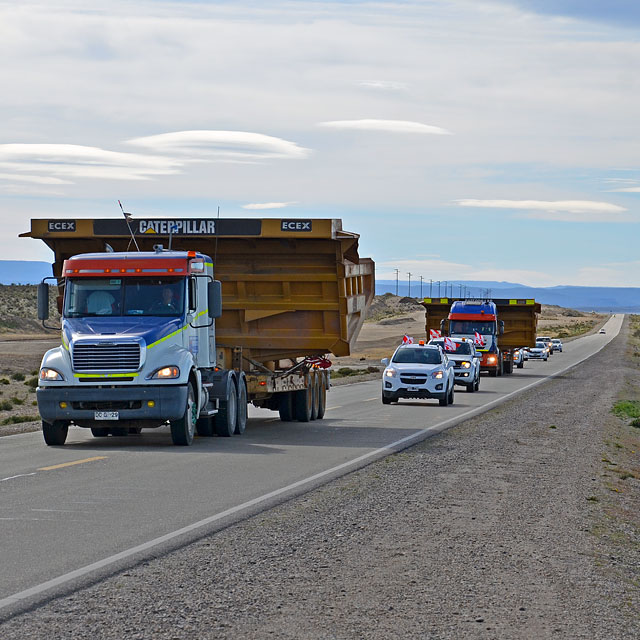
[[466, 365], [390, 373], [166, 373], [437, 374], [50, 374], [492, 360]]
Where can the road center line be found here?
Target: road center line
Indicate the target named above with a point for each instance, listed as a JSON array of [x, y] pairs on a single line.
[[71, 464]]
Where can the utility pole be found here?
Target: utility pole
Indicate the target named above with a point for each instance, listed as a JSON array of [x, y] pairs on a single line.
[[397, 272], [421, 278], [430, 288], [409, 292], [446, 288]]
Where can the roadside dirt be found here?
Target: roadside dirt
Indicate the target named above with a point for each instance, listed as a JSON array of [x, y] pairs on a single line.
[[507, 526]]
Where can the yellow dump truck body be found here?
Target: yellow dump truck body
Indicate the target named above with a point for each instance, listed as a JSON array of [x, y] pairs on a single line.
[[290, 288], [520, 317]]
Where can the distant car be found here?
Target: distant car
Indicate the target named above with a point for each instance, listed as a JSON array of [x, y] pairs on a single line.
[[557, 344], [466, 361], [547, 341], [418, 371], [539, 352], [519, 356], [602, 331]]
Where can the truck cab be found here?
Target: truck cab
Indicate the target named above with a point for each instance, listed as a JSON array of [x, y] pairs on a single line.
[[477, 320], [138, 344]]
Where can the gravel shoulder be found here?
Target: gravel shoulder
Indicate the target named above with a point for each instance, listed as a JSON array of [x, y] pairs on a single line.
[[509, 525]]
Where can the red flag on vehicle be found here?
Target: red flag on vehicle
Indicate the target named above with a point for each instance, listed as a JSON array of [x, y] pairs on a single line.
[[449, 345], [434, 333], [407, 339], [478, 339]]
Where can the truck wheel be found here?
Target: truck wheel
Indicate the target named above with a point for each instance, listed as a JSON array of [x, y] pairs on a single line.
[[285, 406], [227, 413], [55, 433], [183, 429], [322, 396], [302, 404], [444, 401], [494, 372], [500, 366], [315, 395], [99, 432], [241, 412]]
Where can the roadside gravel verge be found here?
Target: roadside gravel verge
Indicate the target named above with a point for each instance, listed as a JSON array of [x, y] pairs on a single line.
[[488, 530]]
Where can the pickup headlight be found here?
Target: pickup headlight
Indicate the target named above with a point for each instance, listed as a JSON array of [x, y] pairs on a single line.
[[466, 365], [437, 375], [390, 372], [50, 374], [166, 373]]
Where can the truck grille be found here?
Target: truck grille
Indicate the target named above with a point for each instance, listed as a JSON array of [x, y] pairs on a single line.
[[106, 357]]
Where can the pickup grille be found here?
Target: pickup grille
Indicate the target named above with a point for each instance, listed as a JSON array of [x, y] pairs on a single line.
[[413, 378], [106, 357]]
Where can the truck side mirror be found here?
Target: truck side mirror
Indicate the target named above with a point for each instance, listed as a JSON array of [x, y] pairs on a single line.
[[215, 298], [501, 327], [43, 301], [442, 331]]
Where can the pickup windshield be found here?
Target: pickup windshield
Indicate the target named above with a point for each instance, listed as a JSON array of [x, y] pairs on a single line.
[[469, 327], [86, 297], [417, 356]]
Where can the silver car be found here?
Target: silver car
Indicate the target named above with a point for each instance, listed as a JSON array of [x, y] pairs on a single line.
[[418, 371], [466, 361], [557, 344], [539, 352]]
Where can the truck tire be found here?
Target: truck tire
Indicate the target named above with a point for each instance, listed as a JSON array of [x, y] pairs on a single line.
[[322, 396], [228, 412], [183, 429], [285, 406], [315, 395], [55, 433], [302, 404], [500, 366], [443, 402], [241, 410], [99, 432]]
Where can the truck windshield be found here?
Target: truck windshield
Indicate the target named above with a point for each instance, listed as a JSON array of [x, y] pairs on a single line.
[[469, 327], [124, 297], [418, 356]]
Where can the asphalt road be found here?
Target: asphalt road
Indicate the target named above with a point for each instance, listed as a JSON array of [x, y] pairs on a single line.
[[71, 514]]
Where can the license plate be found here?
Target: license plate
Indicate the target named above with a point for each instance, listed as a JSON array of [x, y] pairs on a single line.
[[106, 415], [414, 388]]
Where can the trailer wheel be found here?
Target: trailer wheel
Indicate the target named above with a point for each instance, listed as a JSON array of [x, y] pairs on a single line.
[[55, 433], [241, 412], [285, 406], [99, 432], [315, 394], [227, 412], [302, 404], [183, 429], [322, 396]]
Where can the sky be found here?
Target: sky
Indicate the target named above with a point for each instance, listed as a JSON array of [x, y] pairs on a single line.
[[463, 140]]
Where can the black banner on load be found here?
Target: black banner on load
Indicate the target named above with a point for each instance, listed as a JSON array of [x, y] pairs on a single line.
[[179, 227]]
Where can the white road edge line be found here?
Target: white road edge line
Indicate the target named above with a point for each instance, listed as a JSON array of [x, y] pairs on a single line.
[[20, 475], [101, 564]]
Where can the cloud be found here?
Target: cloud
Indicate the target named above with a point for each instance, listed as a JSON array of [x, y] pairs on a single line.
[[224, 146], [391, 126], [384, 85], [16, 177], [75, 161], [268, 205], [559, 210], [627, 190]]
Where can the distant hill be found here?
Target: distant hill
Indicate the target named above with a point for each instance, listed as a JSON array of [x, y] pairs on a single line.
[[23, 271], [603, 299]]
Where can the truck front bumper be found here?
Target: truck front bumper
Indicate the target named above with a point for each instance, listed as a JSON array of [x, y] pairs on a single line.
[[149, 402]]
